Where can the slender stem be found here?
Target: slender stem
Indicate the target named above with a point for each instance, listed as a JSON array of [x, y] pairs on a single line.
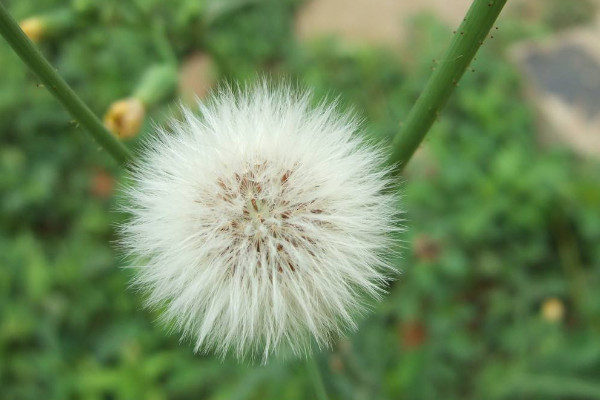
[[470, 35], [315, 373], [25, 49]]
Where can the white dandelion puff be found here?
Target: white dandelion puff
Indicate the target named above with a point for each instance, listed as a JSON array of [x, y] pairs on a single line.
[[263, 222]]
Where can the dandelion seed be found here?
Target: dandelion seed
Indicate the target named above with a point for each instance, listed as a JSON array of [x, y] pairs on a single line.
[[263, 223]]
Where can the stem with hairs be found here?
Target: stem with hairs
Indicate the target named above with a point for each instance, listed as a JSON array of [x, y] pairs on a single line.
[[464, 45]]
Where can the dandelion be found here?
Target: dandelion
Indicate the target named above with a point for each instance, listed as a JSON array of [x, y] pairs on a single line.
[[262, 224]]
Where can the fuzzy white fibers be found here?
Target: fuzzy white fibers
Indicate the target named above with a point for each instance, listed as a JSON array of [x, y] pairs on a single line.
[[263, 222]]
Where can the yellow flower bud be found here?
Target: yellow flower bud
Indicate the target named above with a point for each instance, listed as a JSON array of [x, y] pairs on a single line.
[[124, 117], [553, 310], [52, 24], [34, 28]]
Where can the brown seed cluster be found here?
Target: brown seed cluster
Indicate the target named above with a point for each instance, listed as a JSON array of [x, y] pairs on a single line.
[[264, 215], [266, 219]]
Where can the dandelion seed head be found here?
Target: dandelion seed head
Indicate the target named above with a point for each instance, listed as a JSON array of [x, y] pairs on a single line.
[[262, 222]]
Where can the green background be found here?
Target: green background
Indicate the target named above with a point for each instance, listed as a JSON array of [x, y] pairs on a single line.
[[497, 223]]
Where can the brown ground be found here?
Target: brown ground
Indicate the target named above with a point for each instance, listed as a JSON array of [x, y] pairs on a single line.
[[382, 21]]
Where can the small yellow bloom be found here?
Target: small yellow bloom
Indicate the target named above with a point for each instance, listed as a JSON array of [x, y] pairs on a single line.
[[34, 28], [553, 310], [124, 117]]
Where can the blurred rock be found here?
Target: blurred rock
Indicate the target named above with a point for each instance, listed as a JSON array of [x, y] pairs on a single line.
[[563, 73], [563, 77]]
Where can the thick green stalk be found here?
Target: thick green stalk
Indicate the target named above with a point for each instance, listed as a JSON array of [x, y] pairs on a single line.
[[315, 374], [25, 49], [470, 35]]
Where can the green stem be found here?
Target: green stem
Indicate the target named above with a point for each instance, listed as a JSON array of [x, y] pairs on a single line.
[[25, 49], [315, 373], [470, 35]]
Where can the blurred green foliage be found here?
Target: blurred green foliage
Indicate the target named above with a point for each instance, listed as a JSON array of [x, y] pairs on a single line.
[[498, 224]]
